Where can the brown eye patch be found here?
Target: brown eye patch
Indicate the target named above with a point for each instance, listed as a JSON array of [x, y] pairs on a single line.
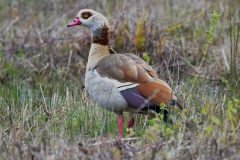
[[86, 15]]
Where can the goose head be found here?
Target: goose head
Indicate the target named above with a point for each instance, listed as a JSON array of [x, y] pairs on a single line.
[[90, 19]]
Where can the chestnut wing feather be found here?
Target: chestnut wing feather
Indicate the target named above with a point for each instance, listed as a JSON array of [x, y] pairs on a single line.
[[131, 68]]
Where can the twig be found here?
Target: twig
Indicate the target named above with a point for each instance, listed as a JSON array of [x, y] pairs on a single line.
[[200, 76], [45, 104], [69, 60], [188, 63], [10, 115], [225, 59], [113, 141], [9, 25], [155, 146], [39, 36]]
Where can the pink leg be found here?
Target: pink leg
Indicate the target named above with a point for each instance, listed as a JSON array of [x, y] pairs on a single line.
[[120, 124], [131, 121], [130, 124]]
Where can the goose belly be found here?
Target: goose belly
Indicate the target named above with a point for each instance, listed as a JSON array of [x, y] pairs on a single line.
[[104, 92]]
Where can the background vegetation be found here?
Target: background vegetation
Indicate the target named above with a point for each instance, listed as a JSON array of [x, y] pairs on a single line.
[[45, 113]]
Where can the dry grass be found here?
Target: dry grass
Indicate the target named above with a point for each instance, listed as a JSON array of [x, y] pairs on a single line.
[[45, 114]]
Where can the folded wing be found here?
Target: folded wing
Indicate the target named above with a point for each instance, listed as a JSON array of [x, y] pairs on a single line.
[[131, 68]]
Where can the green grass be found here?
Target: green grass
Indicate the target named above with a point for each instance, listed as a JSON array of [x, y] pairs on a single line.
[[58, 107], [48, 113]]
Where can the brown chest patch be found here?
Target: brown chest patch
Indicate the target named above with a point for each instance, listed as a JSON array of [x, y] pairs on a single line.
[[102, 36]]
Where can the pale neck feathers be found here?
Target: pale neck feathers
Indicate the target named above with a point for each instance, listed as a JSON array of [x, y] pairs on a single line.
[[100, 41], [97, 52]]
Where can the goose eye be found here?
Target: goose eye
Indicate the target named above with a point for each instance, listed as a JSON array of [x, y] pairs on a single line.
[[86, 15]]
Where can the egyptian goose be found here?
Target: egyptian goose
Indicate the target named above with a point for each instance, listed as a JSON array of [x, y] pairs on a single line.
[[119, 82]]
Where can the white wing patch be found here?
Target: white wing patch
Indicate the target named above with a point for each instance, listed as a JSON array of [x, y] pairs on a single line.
[[127, 86]]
